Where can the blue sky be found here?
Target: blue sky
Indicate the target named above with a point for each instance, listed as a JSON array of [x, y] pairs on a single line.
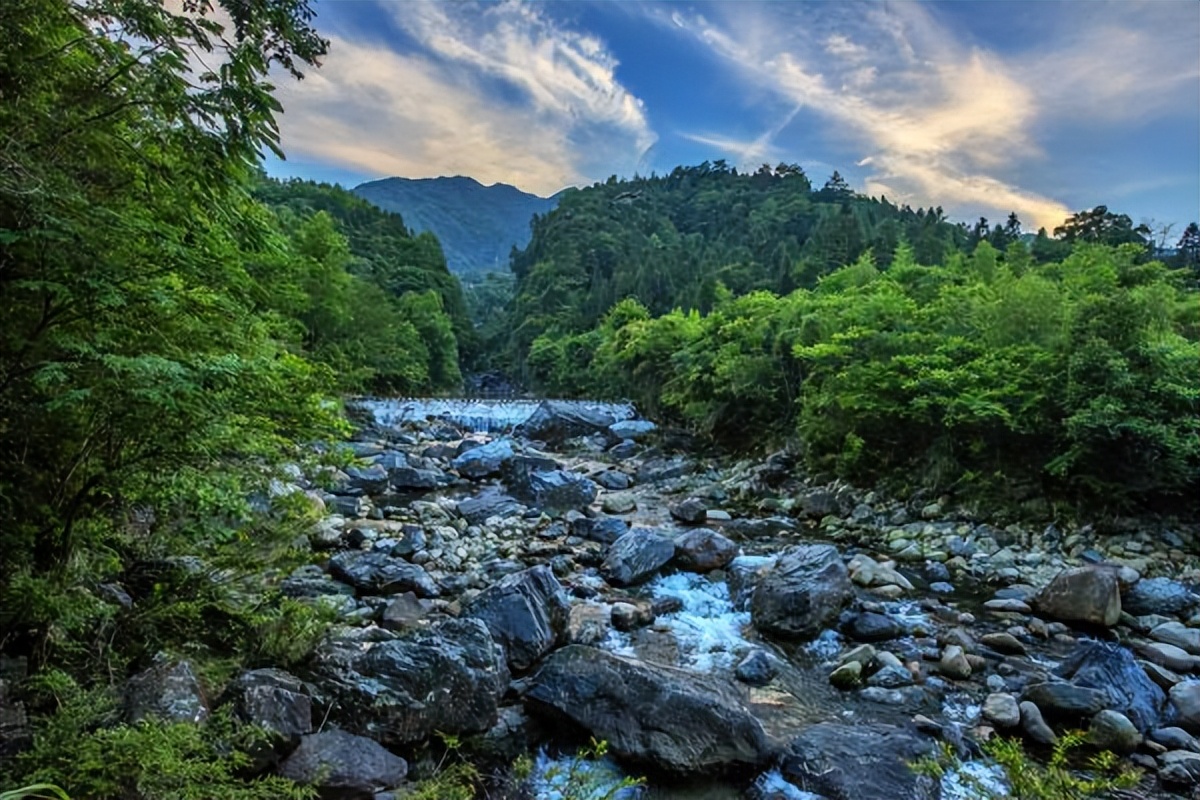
[[982, 107]]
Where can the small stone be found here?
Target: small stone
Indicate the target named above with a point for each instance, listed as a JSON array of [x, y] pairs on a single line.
[[954, 663], [1004, 643], [847, 676], [1169, 656], [1175, 739], [691, 511], [863, 654], [756, 669], [1112, 730], [1009, 605], [1034, 726], [625, 616], [890, 677], [1002, 710]]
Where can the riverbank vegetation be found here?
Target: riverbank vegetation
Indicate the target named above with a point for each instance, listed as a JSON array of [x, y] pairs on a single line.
[[943, 356]]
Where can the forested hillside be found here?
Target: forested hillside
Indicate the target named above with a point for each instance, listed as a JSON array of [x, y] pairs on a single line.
[[477, 225], [670, 240], [892, 343]]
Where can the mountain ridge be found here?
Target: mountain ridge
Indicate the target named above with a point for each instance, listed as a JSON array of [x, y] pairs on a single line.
[[477, 225]]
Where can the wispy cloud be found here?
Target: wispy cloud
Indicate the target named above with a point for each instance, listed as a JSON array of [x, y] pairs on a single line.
[[939, 121], [935, 123], [497, 92]]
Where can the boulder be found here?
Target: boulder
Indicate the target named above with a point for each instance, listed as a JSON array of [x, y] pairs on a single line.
[[954, 663], [692, 511], [369, 479], [447, 677], [411, 478], [1034, 726], [168, 691], [483, 461], [1178, 634], [1166, 655], [525, 612], [1001, 709], [1065, 700], [677, 721], [1158, 596], [1112, 730], [869, 626], [1185, 700], [343, 766], [1084, 594], [602, 529], [274, 700], [636, 429], [756, 669], [854, 762], [703, 550], [588, 623], [614, 480], [1115, 673], [636, 557], [555, 491], [803, 593], [378, 573], [555, 421], [489, 503], [404, 611], [1179, 768]]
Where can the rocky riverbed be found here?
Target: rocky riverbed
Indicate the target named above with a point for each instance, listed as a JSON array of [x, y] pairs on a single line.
[[729, 629]]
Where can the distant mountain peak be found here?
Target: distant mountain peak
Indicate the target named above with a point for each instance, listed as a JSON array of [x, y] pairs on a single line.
[[477, 225]]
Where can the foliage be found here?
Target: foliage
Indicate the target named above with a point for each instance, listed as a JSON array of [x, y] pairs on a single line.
[[381, 255], [585, 777], [82, 748], [988, 373], [670, 241], [37, 791], [1058, 779]]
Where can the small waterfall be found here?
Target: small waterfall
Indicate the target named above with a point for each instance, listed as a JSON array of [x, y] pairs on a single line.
[[478, 415]]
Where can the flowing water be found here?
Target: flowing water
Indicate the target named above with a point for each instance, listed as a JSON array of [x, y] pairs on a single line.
[[481, 416]]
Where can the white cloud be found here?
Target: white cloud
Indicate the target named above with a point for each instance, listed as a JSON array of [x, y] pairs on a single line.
[[939, 121], [497, 92]]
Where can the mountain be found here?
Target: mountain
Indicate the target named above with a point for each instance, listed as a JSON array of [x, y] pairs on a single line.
[[477, 225]]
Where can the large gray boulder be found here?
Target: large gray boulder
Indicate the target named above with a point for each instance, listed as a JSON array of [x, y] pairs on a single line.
[[375, 572], [803, 593], [854, 762], [1158, 596], [526, 612], [1082, 594], [448, 677], [489, 503], [1113, 671], [636, 557], [274, 700], [602, 529], [169, 691], [671, 719], [554, 491], [480, 462], [553, 422], [343, 766]]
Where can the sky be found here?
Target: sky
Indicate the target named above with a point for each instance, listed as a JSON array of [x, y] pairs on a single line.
[[1042, 108]]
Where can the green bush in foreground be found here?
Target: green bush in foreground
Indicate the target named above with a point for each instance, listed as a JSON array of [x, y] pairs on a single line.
[[1027, 779]]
